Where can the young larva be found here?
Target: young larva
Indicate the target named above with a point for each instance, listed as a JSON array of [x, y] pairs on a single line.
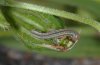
[[59, 35]]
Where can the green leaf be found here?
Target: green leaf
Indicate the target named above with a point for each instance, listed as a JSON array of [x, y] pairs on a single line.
[[3, 23], [90, 5], [56, 12], [28, 22], [39, 21], [7, 14]]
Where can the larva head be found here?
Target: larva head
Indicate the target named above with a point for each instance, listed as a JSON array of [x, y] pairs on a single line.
[[66, 41], [74, 37]]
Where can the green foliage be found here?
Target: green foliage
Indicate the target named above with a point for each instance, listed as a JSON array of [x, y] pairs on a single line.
[[23, 17], [56, 12], [90, 5]]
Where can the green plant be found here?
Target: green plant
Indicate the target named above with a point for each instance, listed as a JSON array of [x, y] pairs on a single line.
[[24, 17]]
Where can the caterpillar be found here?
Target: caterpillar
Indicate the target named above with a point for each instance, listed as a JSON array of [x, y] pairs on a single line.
[[70, 35]]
